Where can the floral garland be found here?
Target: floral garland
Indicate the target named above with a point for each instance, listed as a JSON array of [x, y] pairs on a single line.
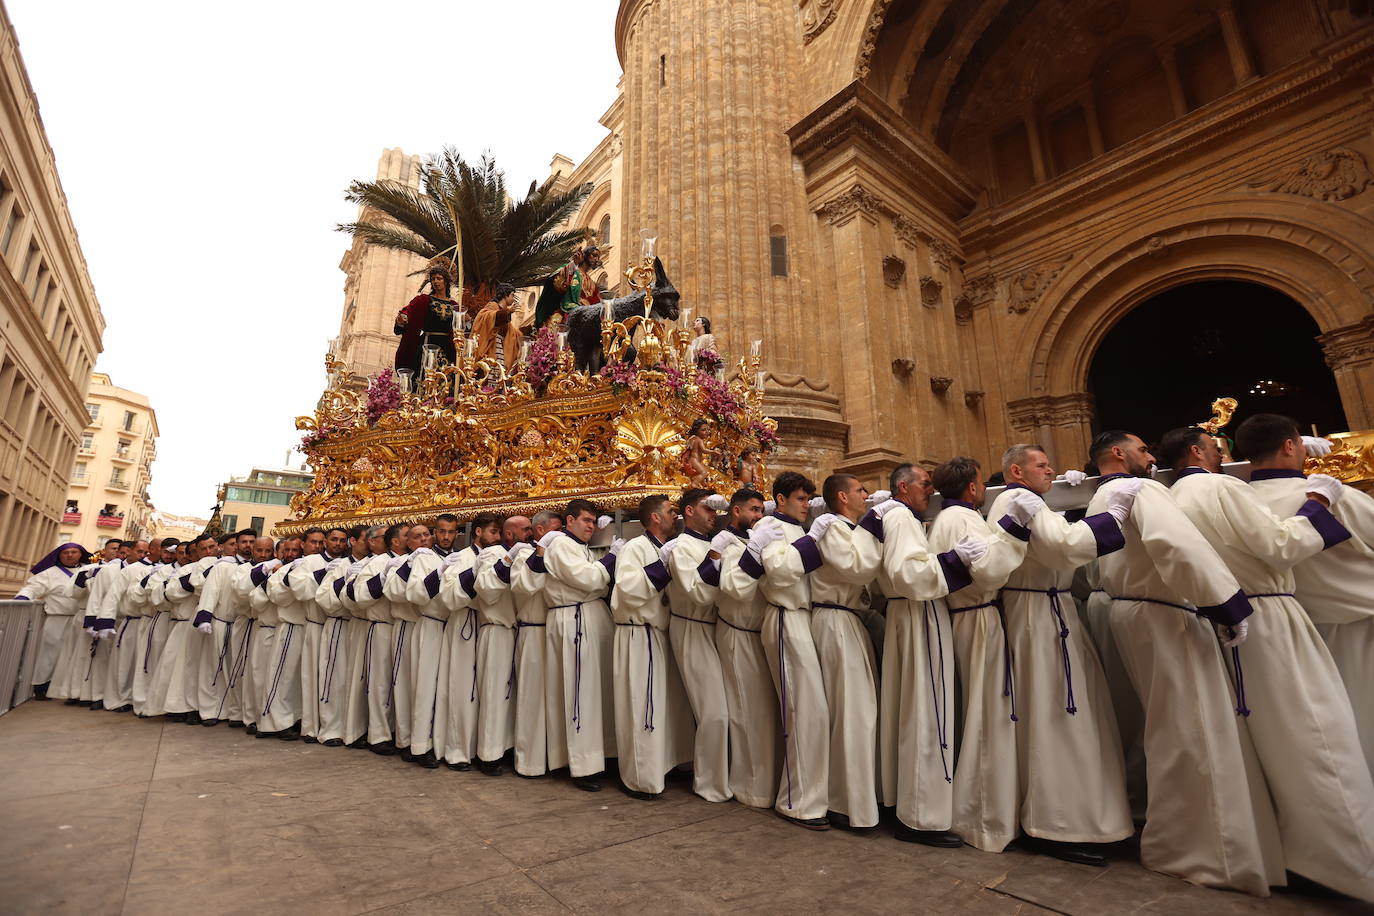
[[766, 438], [709, 361], [542, 361], [721, 403], [383, 396], [622, 375]]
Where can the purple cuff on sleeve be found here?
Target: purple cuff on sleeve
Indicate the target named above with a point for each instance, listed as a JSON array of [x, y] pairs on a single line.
[[1009, 525], [709, 572], [1327, 525], [503, 571], [432, 584], [286, 579], [339, 585], [374, 586], [467, 579], [1107, 533], [350, 589], [88, 622], [102, 623], [750, 564], [21, 598], [956, 573], [1230, 612], [404, 572], [186, 582], [658, 575], [255, 574], [873, 524], [201, 617], [536, 564], [608, 561], [810, 553], [319, 574]]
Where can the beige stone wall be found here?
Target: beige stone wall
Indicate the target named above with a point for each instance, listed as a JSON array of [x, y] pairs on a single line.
[[50, 328], [279, 483], [113, 466]]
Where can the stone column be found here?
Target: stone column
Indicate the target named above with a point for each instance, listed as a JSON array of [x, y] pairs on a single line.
[[1349, 352], [1062, 424]]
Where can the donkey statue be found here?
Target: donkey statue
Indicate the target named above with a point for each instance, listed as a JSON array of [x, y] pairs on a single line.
[[584, 322]]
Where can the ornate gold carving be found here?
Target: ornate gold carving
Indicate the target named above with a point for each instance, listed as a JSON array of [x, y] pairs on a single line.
[[1336, 174], [1351, 460], [1027, 286], [930, 292], [816, 17], [1222, 410], [894, 269]]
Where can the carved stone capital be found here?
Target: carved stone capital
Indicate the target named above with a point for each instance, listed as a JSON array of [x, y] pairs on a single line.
[[1350, 346], [854, 201], [1027, 286], [1032, 414], [1336, 174]]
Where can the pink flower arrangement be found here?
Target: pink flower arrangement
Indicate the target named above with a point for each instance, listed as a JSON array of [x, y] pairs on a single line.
[[543, 359], [675, 381], [383, 396], [765, 437], [318, 437], [709, 361], [622, 375], [721, 404]]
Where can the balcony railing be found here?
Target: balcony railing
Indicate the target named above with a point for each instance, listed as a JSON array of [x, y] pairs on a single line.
[[109, 521], [124, 455], [118, 483], [86, 451], [71, 518]]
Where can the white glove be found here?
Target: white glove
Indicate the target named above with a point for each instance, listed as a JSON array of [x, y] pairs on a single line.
[[547, 540], [816, 504], [419, 550], [1074, 478], [337, 562], [356, 567], [1023, 505], [602, 521], [717, 502], [395, 561], [723, 539], [881, 496], [769, 507], [1233, 635], [762, 535], [1326, 485], [822, 524], [92, 632], [1316, 446], [271, 565], [105, 634], [616, 545], [452, 558], [887, 505], [518, 550], [665, 553], [1121, 498], [970, 550], [205, 627]]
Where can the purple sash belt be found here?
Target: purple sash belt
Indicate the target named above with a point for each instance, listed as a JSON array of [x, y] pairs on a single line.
[[1008, 674], [577, 661], [1239, 678], [1070, 706]]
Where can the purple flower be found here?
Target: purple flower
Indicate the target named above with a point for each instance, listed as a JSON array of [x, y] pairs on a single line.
[[622, 375], [709, 361], [383, 396], [543, 359]]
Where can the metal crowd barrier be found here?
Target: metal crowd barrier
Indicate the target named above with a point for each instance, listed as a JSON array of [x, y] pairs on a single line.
[[21, 624]]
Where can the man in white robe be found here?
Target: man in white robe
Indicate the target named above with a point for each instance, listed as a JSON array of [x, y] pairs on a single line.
[[429, 647], [50, 582], [215, 616], [755, 732], [692, 631], [291, 639], [244, 695], [331, 676], [849, 665], [121, 603], [74, 660], [1068, 751], [579, 693], [367, 591], [1208, 819], [458, 706], [653, 722], [101, 623], [916, 690], [405, 616], [1294, 701], [531, 612], [304, 581], [496, 648], [172, 692], [354, 693]]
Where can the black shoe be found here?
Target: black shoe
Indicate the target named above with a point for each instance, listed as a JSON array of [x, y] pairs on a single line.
[[841, 821], [489, 767], [175, 717], [310, 739], [405, 753], [943, 839], [333, 742], [193, 718], [810, 823], [460, 767], [235, 723], [263, 734], [70, 702], [426, 760], [1067, 852], [85, 703], [359, 744], [640, 796], [250, 728], [209, 723], [290, 734], [127, 707], [96, 706], [588, 783], [382, 748], [40, 691]]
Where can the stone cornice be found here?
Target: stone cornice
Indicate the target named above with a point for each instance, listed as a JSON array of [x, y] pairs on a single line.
[[1210, 124], [856, 118], [1030, 414], [1350, 346]]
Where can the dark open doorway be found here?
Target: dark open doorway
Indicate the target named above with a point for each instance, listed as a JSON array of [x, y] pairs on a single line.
[[1162, 365]]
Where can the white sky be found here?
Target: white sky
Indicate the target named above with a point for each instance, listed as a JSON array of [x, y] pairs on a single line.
[[204, 149]]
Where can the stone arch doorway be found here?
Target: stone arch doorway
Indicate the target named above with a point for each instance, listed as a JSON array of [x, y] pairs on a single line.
[[1163, 362]]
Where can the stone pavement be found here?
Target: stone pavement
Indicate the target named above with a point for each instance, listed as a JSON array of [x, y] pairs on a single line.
[[104, 813]]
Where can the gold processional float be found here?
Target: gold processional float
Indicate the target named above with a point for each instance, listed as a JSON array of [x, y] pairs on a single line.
[[474, 437], [1351, 459]]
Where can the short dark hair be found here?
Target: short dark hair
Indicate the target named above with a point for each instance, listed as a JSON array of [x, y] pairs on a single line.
[[744, 495], [952, 478], [309, 531], [170, 543], [693, 496], [705, 323], [343, 531], [486, 520], [502, 291], [1262, 435], [649, 505], [789, 482], [1105, 441], [251, 532], [831, 488], [226, 538], [900, 474], [446, 517], [1173, 447], [577, 506], [357, 531], [118, 542], [392, 532]]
